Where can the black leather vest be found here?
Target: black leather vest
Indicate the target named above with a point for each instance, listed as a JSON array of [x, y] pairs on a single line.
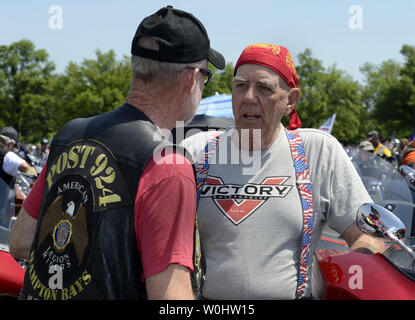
[[85, 244], [10, 180]]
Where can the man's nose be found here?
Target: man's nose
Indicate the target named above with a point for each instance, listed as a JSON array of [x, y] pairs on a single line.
[[251, 95]]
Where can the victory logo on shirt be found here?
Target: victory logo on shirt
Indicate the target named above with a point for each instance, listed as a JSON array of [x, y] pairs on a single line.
[[238, 202]]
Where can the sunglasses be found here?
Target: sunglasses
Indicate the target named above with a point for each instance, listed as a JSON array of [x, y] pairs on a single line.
[[207, 74]]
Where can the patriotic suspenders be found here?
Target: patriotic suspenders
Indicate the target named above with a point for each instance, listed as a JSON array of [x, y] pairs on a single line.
[[304, 188], [202, 169]]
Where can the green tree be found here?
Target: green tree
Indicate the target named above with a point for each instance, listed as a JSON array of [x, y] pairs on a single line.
[[312, 107], [391, 95], [26, 77], [92, 87], [377, 81], [328, 91], [221, 81]]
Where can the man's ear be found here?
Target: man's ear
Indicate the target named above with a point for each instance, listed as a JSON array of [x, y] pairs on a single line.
[[189, 79], [294, 96]]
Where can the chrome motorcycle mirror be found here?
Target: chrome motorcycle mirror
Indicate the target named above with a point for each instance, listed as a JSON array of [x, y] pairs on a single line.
[[378, 221]]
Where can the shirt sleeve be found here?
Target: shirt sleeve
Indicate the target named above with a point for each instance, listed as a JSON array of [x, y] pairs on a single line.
[[165, 215], [346, 192], [11, 163]]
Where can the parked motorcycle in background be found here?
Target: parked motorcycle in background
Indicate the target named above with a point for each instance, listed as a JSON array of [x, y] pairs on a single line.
[[11, 201], [408, 174], [11, 272], [386, 185]]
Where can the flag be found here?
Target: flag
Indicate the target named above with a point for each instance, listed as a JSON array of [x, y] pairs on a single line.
[[328, 125]]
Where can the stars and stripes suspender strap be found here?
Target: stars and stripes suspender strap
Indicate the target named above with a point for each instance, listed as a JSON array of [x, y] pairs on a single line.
[[304, 189], [202, 169]]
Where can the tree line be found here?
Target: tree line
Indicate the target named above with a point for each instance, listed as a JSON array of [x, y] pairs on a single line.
[[37, 100]]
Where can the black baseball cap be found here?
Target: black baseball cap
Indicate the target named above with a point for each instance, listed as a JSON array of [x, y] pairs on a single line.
[[9, 132], [181, 38]]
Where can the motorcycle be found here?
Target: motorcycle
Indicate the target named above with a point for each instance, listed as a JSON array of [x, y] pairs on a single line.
[[11, 271], [339, 273]]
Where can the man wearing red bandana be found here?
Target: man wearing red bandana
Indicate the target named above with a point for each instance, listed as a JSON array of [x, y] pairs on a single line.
[[265, 192]]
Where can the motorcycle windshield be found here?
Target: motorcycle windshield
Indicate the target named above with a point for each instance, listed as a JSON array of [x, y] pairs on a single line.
[[7, 209], [400, 258], [385, 185]]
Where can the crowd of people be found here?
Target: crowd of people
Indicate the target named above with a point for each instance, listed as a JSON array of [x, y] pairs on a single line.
[[397, 151], [11, 159], [116, 222], [11, 142]]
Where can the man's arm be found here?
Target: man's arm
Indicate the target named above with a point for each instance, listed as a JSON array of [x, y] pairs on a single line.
[[13, 163], [171, 284], [26, 168], [362, 242], [21, 235], [164, 223]]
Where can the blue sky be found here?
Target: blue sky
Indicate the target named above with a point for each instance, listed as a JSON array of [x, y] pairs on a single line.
[[321, 25]]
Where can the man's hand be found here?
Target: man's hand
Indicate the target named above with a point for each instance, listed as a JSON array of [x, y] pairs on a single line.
[[26, 168], [362, 242]]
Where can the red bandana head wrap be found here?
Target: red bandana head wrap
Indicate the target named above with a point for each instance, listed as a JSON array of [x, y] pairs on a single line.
[[276, 58]]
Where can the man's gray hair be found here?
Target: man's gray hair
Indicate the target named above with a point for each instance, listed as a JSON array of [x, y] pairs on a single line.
[[148, 70]]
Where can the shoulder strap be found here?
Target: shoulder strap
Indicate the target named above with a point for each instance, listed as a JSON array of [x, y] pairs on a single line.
[[203, 164], [304, 189], [202, 170]]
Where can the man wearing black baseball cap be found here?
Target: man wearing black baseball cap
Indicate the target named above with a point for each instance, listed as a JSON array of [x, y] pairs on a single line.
[[10, 132], [123, 220], [10, 162]]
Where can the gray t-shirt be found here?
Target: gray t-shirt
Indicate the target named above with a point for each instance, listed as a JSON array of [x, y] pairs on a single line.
[[250, 215]]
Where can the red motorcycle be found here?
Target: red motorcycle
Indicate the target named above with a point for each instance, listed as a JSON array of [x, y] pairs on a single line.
[[342, 274]]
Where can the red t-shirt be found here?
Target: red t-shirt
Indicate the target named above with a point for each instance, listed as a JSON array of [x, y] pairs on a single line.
[[164, 217]]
